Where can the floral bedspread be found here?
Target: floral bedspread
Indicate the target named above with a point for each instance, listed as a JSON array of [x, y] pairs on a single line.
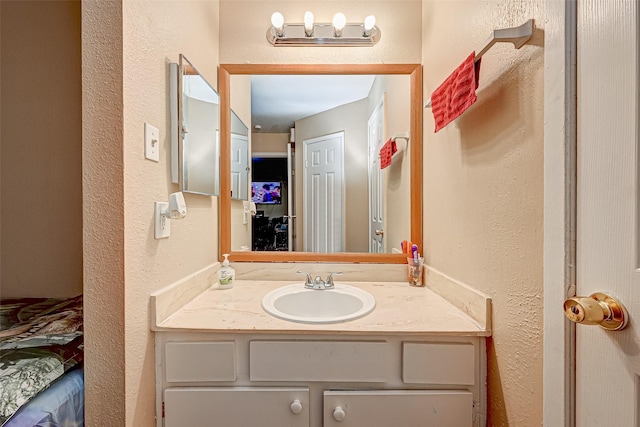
[[40, 339]]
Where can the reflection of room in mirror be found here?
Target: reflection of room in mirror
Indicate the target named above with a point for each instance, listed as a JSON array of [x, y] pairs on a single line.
[[331, 104]]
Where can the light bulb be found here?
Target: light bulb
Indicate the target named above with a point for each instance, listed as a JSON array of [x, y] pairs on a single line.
[[339, 21], [308, 24], [369, 22], [277, 20]]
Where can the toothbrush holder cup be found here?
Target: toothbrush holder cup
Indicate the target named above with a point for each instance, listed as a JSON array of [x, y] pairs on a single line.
[[415, 270]]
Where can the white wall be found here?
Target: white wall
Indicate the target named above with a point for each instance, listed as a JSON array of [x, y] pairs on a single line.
[[41, 165], [483, 189], [126, 50]]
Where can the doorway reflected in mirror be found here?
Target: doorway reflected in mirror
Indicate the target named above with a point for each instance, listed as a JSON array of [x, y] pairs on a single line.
[[269, 193]]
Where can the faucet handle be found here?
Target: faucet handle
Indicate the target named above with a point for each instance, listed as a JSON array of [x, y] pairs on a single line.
[[309, 282], [330, 278]]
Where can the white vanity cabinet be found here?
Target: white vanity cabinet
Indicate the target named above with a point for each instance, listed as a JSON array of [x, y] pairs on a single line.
[[319, 380]]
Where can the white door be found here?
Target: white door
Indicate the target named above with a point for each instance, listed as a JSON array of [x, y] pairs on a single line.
[[607, 250], [376, 180], [323, 193], [239, 167]]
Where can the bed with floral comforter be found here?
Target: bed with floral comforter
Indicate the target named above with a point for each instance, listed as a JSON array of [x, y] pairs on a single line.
[[41, 380]]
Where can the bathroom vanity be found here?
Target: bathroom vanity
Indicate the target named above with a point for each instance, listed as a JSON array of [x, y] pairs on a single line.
[[415, 360]]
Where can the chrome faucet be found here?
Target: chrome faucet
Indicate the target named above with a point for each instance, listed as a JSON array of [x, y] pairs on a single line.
[[318, 283]]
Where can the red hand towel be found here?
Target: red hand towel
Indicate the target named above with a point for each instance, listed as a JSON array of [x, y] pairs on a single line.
[[456, 93], [386, 152]]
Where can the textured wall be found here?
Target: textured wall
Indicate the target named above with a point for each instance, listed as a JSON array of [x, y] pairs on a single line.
[[103, 213], [154, 33], [41, 149], [126, 50], [483, 177]]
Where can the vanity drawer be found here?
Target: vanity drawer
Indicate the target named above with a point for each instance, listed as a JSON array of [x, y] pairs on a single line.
[[343, 361], [438, 363], [236, 406], [406, 408], [200, 361]]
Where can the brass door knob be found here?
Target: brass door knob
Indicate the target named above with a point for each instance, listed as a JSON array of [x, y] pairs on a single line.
[[597, 309], [379, 232]]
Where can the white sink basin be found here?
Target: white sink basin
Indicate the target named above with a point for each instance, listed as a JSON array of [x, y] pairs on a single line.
[[298, 304]]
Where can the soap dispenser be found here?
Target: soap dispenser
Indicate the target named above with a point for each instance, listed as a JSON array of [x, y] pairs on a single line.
[[226, 274]]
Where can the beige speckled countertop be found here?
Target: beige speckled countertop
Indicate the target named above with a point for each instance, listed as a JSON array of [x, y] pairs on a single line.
[[400, 308]]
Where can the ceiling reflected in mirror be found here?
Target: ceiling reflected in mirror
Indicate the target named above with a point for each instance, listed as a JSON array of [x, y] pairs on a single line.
[[277, 101]]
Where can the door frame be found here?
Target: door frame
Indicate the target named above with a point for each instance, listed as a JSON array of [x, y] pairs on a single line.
[[560, 142]]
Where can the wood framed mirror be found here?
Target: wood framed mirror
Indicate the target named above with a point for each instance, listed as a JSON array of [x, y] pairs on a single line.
[[413, 147]]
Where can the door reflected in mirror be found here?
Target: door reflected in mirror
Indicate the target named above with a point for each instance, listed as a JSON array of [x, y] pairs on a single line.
[[198, 132], [316, 142], [239, 158]]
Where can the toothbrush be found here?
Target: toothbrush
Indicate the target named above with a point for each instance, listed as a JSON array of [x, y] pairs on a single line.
[[414, 252]]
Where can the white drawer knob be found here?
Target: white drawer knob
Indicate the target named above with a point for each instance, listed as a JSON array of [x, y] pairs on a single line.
[[338, 414], [296, 407]]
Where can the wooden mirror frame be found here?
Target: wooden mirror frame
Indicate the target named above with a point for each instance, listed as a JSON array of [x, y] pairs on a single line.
[[414, 71]]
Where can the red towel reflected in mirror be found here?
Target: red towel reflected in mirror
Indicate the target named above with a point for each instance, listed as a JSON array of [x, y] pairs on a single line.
[[386, 153]]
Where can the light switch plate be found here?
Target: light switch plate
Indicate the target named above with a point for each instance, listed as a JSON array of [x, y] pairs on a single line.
[[151, 142], [162, 224]]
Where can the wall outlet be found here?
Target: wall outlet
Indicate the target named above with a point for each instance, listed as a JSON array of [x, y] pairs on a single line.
[[162, 222], [151, 143]]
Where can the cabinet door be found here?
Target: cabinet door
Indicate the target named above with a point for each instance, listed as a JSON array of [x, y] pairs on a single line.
[[236, 407], [392, 408]]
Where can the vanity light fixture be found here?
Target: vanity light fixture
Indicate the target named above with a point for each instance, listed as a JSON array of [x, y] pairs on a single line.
[[309, 33]]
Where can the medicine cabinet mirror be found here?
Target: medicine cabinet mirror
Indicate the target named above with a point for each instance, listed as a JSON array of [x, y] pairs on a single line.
[[292, 226], [195, 151]]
